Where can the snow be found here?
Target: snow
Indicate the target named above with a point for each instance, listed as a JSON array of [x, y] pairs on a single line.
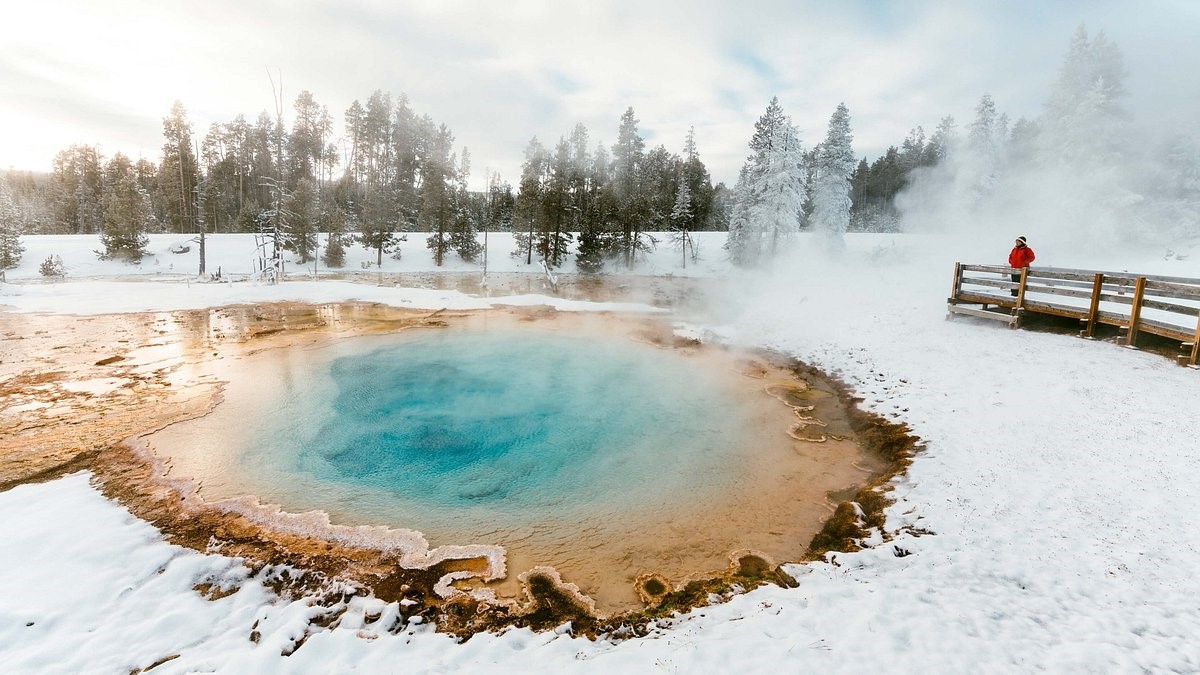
[[235, 255], [1058, 481]]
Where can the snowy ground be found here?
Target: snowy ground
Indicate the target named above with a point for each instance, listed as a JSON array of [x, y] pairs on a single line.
[[1058, 478]]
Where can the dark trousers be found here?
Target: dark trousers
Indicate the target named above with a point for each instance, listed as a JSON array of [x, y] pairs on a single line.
[[1016, 280]]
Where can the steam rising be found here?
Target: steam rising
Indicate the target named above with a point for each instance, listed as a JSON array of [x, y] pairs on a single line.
[[1077, 176]]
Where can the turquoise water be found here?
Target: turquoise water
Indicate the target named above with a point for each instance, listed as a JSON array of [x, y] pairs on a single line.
[[456, 427]]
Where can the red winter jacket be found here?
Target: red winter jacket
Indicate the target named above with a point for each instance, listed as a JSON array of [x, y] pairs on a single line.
[[1020, 257]]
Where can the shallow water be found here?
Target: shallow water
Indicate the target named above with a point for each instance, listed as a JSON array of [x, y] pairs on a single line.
[[513, 425], [566, 442]]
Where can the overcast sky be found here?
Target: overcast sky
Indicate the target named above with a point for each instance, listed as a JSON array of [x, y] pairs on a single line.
[[502, 71]]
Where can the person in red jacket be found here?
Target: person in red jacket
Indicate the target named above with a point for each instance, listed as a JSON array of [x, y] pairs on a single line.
[[1019, 258]]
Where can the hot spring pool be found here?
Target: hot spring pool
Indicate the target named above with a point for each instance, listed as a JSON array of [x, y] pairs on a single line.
[[506, 424], [583, 449]]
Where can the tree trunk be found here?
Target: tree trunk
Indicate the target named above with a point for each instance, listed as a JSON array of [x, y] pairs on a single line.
[[529, 245]]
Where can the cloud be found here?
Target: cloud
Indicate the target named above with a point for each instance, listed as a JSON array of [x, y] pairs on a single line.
[[500, 73]]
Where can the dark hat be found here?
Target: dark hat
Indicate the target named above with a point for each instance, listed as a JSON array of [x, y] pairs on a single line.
[[1022, 239]]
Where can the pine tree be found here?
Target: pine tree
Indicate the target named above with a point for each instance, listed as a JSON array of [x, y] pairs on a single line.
[[628, 157], [1093, 68], [835, 163], [767, 126], [376, 224], [335, 248], [10, 229], [78, 188], [335, 252], [719, 211], [178, 175], [529, 212], [943, 140], [52, 266], [500, 204], [468, 214], [306, 143], [770, 193], [557, 204], [743, 244], [681, 218], [778, 186], [300, 234], [1083, 121], [438, 211], [913, 150], [126, 212], [985, 142], [699, 183], [859, 184], [599, 235]]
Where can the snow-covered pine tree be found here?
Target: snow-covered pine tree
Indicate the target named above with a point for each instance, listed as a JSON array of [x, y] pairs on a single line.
[[831, 192], [126, 212], [778, 184], [766, 126], [743, 244], [770, 191], [681, 218], [699, 183], [1092, 78], [271, 224], [1180, 187], [719, 209], [10, 229], [1084, 145], [985, 143], [53, 266], [943, 140]]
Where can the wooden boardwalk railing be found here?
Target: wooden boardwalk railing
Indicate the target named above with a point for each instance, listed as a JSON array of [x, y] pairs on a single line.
[[1136, 303]]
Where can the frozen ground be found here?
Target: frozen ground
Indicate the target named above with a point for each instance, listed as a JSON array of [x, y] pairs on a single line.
[[1058, 480]]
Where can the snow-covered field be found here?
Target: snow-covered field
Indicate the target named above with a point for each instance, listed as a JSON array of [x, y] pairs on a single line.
[[1058, 481]]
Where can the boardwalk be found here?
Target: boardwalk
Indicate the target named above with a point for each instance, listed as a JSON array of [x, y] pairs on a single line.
[[1135, 303]]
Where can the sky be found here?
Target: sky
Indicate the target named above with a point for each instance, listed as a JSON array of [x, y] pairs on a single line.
[[499, 73]]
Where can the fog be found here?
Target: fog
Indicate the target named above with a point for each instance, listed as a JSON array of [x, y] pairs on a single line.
[[1083, 175]]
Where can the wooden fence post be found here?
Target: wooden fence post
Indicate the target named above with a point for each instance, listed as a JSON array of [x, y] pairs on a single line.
[[1094, 310], [1016, 313], [957, 281], [1135, 313], [1195, 344]]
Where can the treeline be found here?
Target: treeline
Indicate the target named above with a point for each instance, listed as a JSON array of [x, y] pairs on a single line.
[[396, 172], [391, 171], [611, 201], [874, 185]]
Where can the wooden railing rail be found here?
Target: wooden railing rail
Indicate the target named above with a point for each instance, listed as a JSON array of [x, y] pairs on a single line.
[[1120, 299]]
